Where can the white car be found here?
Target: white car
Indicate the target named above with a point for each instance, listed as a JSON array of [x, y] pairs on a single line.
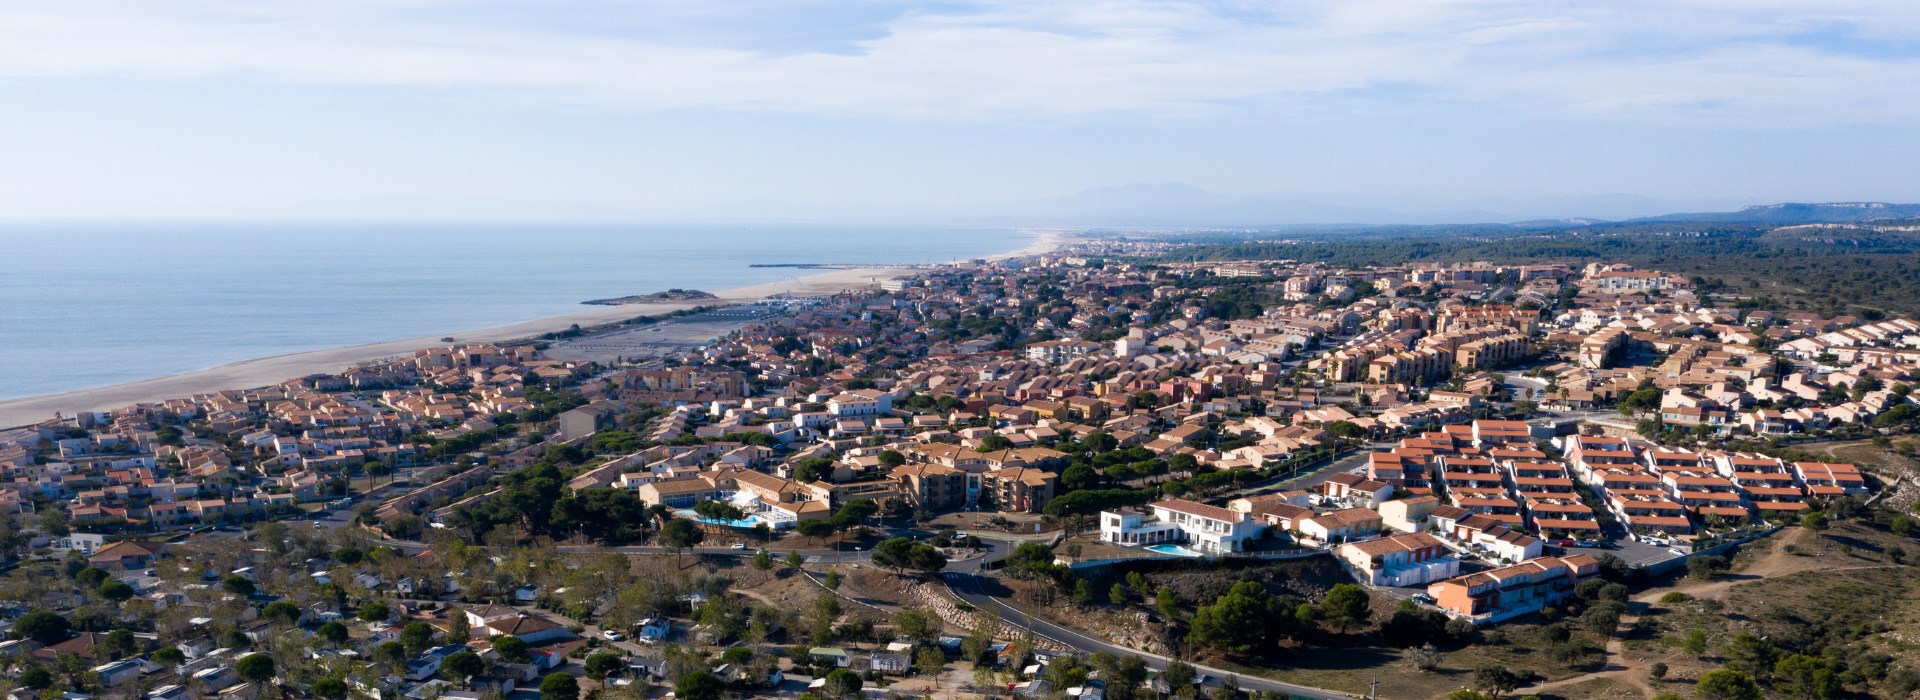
[[739, 545], [612, 636], [1676, 551]]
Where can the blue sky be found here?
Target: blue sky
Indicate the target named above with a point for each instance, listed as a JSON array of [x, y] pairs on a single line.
[[569, 108]]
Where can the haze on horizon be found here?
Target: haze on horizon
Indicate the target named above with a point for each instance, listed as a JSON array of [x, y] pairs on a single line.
[[582, 109]]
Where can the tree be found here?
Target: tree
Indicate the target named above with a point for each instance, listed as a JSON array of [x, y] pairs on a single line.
[[256, 668], [794, 560], [116, 591], [462, 666], [1808, 677], [36, 678], [237, 585], [902, 553], [1242, 621], [1346, 605], [511, 648], [1346, 429], [281, 611], [763, 561], [917, 623], [334, 632], [1726, 684], [1815, 521], [1164, 601], [375, 611], [1903, 525], [330, 689], [1118, 594], [559, 686], [700, 685], [930, 661], [390, 652], [417, 636], [1751, 654], [1499, 680], [842, 683], [891, 459], [169, 656], [602, 664], [1695, 643], [1179, 674], [43, 627], [1424, 657], [92, 576], [679, 534]]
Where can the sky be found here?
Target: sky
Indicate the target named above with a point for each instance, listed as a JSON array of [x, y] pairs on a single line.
[[616, 109]]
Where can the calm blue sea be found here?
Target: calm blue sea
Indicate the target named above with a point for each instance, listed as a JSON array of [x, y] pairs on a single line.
[[87, 305]]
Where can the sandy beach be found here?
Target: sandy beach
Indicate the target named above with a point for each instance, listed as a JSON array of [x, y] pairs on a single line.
[[273, 370]]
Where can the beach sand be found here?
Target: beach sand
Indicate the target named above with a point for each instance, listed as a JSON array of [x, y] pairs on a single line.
[[273, 370]]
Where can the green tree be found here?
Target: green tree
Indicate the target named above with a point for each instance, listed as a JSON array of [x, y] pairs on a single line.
[[794, 560], [256, 668], [841, 683], [333, 632], [1499, 680], [417, 636], [1346, 605], [237, 585], [1726, 684], [680, 534], [36, 678], [43, 627], [390, 652], [602, 664], [169, 656], [559, 686], [763, 561], [375, 611], [116, 591], [282, 612], [330, 689], [700, 685], [1807, 677], [917, 623], [1241, 621], [1164, 601], [511, 648], [462, 666], [92, 576]]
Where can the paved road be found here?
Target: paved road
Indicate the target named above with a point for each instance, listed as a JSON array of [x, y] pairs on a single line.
[[964, 580]]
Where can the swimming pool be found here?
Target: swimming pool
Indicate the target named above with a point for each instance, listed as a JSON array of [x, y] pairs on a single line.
[[1173, 549], [746, 523]]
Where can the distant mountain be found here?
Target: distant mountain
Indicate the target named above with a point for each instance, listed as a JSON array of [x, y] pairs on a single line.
[[1792, 213]]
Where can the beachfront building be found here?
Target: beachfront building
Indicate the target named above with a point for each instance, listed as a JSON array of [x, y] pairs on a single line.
[[1203, 528]]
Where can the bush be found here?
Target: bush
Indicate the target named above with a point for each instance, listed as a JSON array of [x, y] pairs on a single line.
[[1675, 597]]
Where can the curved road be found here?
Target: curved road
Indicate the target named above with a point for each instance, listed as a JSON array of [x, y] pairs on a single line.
[[963, 580]]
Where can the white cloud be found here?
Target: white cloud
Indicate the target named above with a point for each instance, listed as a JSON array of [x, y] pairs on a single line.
[[1760, 63]]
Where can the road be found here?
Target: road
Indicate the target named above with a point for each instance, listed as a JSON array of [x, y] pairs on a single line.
[[963, 580]]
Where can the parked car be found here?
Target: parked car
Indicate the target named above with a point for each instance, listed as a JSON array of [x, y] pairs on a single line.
[[1566, 543], [1676, 551], [612, 636], [1423, 598]]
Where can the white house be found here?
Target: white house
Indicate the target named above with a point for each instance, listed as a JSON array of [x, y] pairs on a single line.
[[1204, 528]]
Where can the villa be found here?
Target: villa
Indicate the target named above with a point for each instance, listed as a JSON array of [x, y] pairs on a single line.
[[1203, 528]]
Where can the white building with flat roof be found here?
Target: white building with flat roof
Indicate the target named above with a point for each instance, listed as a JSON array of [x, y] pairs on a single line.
[[1203, 528]]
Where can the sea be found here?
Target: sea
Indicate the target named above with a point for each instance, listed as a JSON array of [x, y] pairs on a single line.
[[98, 304]]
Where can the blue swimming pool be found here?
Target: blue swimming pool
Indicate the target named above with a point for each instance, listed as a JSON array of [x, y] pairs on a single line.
[[746, 523], [1173, 549]]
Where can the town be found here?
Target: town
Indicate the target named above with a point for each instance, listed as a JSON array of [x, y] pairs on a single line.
[[1093, 473]]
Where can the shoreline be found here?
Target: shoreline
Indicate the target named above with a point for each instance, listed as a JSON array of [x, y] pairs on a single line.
[[267, 371]]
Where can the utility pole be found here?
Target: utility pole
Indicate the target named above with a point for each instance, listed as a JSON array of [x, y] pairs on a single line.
[[1373, 689]]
